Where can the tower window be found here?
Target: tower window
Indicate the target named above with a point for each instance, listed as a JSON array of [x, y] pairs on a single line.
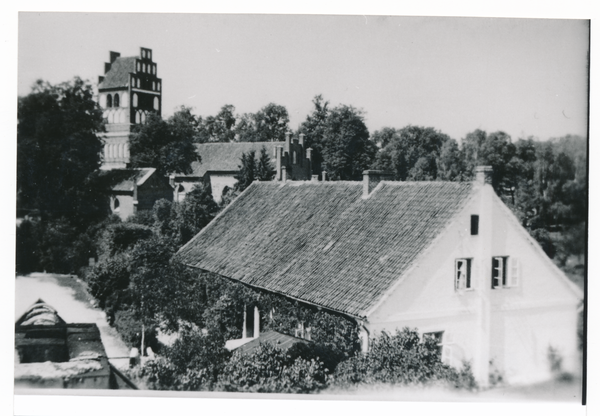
[[137, 117], [158, 86], [156, 103], [153, 86], [116, 102], [109, 101], [135, 100], [138, 67], [294, 159]]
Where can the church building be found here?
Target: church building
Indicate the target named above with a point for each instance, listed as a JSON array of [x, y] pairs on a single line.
[[129, 90]]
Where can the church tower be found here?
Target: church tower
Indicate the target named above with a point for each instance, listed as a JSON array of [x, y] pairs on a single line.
[[129, 90]]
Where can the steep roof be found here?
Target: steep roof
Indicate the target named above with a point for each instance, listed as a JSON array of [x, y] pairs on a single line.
[[118, 75], [321, 242], [123, 179], [225, 157]]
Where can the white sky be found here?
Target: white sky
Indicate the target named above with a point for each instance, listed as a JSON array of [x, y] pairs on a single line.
[[523, 76]]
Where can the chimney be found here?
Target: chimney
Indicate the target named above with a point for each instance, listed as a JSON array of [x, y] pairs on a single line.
[[324, 175], [301, 139], [372, 177], [314, 178], [283, 174], [288, 141], [278, 152], [483, 175], [114, 56], [309, 153]]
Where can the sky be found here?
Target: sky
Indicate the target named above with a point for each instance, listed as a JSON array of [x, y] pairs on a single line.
[[527, 77]]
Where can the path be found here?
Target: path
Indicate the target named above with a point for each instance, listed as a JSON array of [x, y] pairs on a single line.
[[69, 296]]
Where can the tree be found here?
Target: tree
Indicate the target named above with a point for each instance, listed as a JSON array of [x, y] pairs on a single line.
[[413, 153], [269, 124], [347, 150], [264, 168], [58, 149], [164, 145], [313, 129], [247, 172], [194, 213], [220, 128]]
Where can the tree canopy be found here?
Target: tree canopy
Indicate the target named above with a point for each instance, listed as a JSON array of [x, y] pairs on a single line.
[[58, 150], [167, 146]]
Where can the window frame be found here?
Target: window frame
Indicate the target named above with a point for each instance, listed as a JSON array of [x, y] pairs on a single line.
[[438, 336], [510, 269], [468, 282]]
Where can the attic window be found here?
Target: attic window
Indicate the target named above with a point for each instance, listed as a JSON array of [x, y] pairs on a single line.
[[474, 224], [505, 272], [462, 274]]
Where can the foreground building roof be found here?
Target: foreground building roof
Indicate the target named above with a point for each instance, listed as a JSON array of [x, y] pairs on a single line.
[[325, 243]]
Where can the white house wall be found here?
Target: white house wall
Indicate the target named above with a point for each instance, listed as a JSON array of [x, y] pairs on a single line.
[[218, 181], [524, 321]]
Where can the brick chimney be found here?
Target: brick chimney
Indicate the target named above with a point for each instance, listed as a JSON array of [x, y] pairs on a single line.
[[483, 175], [301, 140], [372, 177], [278, 163]]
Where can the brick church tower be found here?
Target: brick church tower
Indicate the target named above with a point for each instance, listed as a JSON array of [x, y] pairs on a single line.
[[129, 90]]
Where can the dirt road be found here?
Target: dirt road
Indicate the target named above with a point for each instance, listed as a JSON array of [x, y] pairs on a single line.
[[69, 296]]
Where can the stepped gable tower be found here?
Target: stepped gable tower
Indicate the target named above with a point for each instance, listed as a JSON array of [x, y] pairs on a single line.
[[128, 91]]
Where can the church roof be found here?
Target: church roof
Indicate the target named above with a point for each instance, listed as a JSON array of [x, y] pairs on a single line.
[[321, 242], [118, 75], [225, 157]]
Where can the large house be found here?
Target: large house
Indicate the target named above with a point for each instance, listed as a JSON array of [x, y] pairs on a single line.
[[220, 163], [447, 258]]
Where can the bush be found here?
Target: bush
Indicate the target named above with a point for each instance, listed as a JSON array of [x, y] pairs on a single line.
[[269, 369], [130, 329], [401, 359]]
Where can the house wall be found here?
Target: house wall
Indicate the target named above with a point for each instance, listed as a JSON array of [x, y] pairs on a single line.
[[218, 181], [511, 327], [126, 206]]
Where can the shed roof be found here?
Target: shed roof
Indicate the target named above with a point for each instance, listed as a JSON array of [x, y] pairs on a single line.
[[275, 338], [321, 242], [118, 74], [225, 157]]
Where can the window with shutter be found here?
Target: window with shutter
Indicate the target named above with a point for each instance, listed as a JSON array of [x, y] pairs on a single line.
[[462, 274], [505, 272]]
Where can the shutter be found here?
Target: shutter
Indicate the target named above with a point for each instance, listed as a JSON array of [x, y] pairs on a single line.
[[459, 281], [514, 268]]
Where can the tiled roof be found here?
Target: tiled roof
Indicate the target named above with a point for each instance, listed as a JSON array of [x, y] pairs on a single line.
[[225, 157], [123, 179], [320, 242], [118, 75], [275, 338]]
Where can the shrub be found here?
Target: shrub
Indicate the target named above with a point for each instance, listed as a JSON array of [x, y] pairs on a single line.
[[269, 369], [403, 359]]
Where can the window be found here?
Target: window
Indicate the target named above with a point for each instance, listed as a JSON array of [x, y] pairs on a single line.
[[474, 224], [109, 101], [505, 272], [116, 205], [462, 274], [153, 86], [294, 160], [437, 337], [116, 100], [135, 100], [156, 103], [158, 86], [138, 67]]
